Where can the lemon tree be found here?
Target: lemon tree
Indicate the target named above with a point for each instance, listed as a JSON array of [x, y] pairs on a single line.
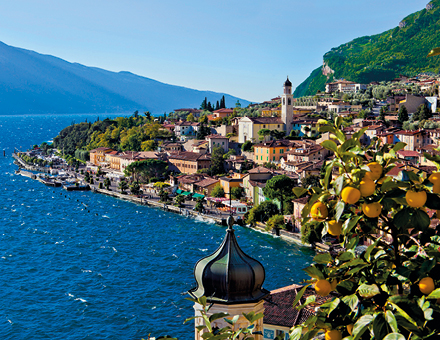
[[389, 288]]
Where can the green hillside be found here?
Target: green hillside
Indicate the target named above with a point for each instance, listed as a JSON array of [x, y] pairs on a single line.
[[384, 56]]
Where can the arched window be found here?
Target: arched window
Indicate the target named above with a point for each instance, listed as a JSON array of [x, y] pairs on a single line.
[[284, 101], [289, 101]]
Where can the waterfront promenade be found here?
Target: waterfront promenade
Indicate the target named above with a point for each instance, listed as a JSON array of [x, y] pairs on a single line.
[[151, 199]]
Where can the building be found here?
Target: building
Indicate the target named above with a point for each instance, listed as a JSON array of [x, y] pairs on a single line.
[[344, 86], [254, 182], [97, 156], [413, 139], [186, 129], [287, 106], [232, 283], [271, 112], [248, 127], [306, 153], [222, 113], [229, 182], [271, 151], [215, 141], [189, 162], [228, 289]]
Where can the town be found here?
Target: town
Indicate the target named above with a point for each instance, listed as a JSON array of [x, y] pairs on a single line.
[[256, 164]]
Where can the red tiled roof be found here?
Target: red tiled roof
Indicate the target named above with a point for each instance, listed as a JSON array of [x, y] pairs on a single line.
[[408, 153], [278, 307]]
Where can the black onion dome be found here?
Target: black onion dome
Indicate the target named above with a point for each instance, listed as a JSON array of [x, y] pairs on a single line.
[[287, 82], [229, 276]]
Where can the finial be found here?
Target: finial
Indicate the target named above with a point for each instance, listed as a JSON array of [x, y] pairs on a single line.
[[230, 221]]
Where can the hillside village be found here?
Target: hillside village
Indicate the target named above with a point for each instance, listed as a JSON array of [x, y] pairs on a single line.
[[236, 151]]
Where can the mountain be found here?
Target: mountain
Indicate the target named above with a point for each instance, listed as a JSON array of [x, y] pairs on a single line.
[[401, 50], [34, 83]]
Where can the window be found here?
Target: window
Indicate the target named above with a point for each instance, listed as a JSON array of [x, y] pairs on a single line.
[[274, 158], [267, 158], [281, 150], [267, 150], [264, 126], [289, 101]]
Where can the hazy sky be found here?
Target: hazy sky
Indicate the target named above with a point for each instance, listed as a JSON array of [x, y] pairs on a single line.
[[244, 48]]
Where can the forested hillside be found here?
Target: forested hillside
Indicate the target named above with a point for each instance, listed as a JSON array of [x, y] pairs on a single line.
[[401, 50]]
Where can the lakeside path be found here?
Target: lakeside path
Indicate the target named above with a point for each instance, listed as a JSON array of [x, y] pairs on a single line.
[[211, 215]]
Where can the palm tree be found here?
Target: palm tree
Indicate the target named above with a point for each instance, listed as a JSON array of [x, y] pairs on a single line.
[[179, 199], [123, 186]]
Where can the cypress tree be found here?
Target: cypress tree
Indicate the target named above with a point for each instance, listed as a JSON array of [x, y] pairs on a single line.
[[209, 107], [217, 106], [403, 114]]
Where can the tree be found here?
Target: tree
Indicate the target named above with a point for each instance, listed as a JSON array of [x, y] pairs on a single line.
[[203, 119], [262, 212], [237, 193], [310, 180], [238, 104], [123, 185], [217, 163], [382, 113], [190, 117], [402, 116], [263, 133], [107, 183], [163, 195], [135, 188], [388, 290], [276, 134], [179, 200], [218, 191], [276, 222], [199, 205], [280, 188], [203, 131], [222, 103], [247, 146], [204, 105], [217, 106], [147, 115]]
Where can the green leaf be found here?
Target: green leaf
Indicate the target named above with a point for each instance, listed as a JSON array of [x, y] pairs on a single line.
[[339, 184], [420, 220], [299, 295], [348, 144], [359, 133], [402, 218], [380, 328], [394, 336], [346, 287], [361, 326], [333, 305], [350, 224], [403, 313], [351, 301], [216, 316], [368, 291], [432, 201], [330, 145], [314, 272], [398, 146], [296, 333], [391, 319], [435, 294], [323, 258], [340, 206], [346, 256], [299, 191]]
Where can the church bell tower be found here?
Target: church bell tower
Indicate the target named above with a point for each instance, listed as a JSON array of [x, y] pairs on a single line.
[[287, 106]]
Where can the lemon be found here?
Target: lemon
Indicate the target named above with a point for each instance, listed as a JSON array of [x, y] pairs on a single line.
[[367, 187], [323, 287], [426, 285], [372, 210], [350, 195], [416, 199], [319, 211], [334, 228]]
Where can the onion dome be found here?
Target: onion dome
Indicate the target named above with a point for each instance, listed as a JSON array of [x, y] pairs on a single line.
[[287, 82], [229, 276]]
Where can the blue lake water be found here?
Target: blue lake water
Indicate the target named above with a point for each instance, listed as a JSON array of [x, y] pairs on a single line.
[[87, 266]]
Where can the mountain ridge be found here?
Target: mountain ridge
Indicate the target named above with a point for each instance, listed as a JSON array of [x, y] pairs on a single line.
[[31, 82], [383, 56]]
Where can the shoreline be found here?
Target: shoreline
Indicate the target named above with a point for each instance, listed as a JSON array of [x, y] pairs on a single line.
[[283, 234]]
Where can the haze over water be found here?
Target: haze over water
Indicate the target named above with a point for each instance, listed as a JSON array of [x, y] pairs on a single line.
[[87, 266]]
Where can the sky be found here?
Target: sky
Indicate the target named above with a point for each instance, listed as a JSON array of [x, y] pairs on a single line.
[[243, 48]]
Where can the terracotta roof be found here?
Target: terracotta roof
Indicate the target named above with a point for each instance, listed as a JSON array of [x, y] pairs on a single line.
[[408, 153], [224, 111], [278, 306], [216, 136], [259, 170], [275, 143], [206, 182], [189, 156], [266, 120]]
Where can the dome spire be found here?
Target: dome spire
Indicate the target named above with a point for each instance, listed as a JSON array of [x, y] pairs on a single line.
[[287, 82], [229, 276]]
